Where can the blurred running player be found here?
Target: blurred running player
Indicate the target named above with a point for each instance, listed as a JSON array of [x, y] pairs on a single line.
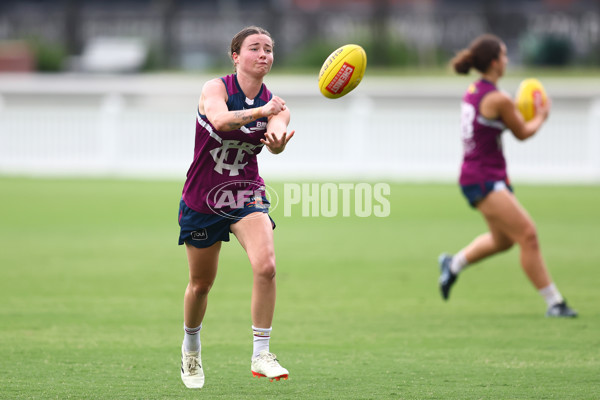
[[237, 115], [485, 113]]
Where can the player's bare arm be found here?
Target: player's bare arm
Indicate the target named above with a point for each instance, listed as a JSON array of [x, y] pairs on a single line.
[[213, 104], [276, 136]]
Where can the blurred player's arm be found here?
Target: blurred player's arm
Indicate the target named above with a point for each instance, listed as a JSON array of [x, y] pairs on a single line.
[[500, 105]]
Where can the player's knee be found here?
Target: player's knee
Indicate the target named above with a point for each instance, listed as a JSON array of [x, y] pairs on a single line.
[[264, 267], [200, 288], [529, 238]]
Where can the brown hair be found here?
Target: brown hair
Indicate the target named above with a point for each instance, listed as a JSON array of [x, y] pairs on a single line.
[[479, 55], [238, 39]]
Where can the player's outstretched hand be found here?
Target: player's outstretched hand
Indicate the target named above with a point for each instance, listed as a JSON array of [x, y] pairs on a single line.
[[274, 144]]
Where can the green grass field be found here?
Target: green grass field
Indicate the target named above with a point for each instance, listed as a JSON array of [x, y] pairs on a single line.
[[92, 281]]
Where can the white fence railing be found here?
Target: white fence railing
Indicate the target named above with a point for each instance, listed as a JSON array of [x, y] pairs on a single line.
[[388, 128]]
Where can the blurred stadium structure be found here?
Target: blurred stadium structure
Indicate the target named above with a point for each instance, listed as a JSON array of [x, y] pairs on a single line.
[[195, 34], [87, 121]]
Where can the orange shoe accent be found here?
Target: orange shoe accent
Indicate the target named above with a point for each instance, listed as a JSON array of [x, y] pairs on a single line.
[[277, 378]]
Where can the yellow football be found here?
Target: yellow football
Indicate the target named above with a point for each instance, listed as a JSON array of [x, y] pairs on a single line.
[[342, 71], [530, 92]]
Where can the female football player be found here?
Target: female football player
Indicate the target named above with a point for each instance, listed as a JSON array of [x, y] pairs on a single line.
[[237, 115], [485, 113]]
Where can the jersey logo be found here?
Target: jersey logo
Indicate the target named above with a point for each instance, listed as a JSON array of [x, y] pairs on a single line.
[[221, 154], [260, 126]]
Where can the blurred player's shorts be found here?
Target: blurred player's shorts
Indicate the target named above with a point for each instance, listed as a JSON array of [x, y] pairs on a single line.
[[476, 192]]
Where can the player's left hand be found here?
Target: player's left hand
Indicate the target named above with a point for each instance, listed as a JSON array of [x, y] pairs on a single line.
[[274, 144]]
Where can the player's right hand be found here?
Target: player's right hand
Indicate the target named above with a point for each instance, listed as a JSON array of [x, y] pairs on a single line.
[[274, 106], [543, 108]]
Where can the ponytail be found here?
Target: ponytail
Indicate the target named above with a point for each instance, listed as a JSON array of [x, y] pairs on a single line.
[[462, 62], [479, 55]]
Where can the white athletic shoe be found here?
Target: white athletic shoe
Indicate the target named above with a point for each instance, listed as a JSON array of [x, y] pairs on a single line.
[[267, 365], [192, 373]]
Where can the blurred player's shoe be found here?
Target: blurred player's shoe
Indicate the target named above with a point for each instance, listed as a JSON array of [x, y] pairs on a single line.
[[561, 310], [447, 278], [192, 373], [267, 365]]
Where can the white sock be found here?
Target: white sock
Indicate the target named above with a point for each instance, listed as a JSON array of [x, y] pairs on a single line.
[[261, 340], [551, 294], [191, 338], [459, 262]]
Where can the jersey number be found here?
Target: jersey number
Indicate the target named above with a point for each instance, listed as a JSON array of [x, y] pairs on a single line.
[[467, 116]]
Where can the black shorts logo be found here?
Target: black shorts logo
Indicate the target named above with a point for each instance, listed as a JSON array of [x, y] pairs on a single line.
[[199, 235]]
